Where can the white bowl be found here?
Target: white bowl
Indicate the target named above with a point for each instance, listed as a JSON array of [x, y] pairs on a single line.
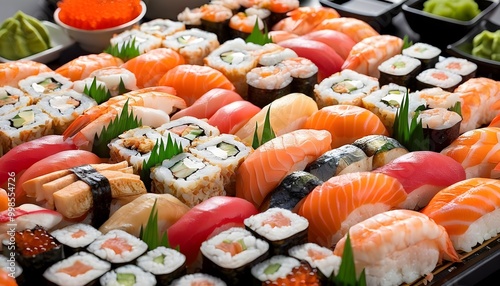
[[96, 41]]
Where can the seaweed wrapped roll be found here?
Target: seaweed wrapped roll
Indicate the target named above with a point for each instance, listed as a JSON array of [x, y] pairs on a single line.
[[130, 275], [166, 264]]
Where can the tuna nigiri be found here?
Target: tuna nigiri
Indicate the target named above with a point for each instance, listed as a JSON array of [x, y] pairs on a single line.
[[262, 171], [344, 200], [398, 246], [338, 41], [233, 116], [469, 211], [83, 66], [346, 123], [423, 174]]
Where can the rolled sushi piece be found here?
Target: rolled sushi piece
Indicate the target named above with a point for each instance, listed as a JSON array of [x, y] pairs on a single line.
[[304, 74], [345, 87], [427, 54], [465, 68], [188, 128], [162, 27], [76, 237], [143, 41], [382, 149], [166, 264], [399, 69], [23, 125], [192, 44], [281, 228], [318, 257], [278, 266], [129, 275], [441, 126], [64, 107], [268, 83], [191, 18], [341, 160], [198, 279], [435, 97], [11, 99], [241, 25], [232, 253], [273, 54], [291, 190], [117, 247], [215, 19], [188, 178], [234, 58], [37, 86], [81, 268], [438, 78], [226, 151], [262, 13]]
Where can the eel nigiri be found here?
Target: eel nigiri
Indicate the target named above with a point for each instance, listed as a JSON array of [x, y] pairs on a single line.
[[398, 246], [423, 174], [264, 169], [344, 200], [469, 211]]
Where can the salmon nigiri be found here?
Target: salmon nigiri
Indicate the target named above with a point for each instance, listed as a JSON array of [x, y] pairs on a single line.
[[83, 66], [264, 169], [469, 211], [192, 81], [397, 247], [346, 123], [345, 200]]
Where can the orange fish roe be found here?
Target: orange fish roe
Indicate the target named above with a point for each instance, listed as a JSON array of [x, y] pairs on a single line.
[[98, 14]]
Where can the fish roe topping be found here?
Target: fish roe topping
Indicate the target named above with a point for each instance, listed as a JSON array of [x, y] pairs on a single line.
[[98, 14], [31, 242]]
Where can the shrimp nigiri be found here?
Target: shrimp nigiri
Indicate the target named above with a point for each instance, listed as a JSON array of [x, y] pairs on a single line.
[[356, 29], [83, 66], [12, 72], [304, 19], [398, 246]]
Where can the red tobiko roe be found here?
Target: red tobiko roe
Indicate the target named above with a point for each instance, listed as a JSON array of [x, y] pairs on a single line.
[[98, 14]]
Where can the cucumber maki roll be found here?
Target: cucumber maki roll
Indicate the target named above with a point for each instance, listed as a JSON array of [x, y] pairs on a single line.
[[278, 266], [166, 264], [129, 275], [400, 70], [198, 279], [427, 54]]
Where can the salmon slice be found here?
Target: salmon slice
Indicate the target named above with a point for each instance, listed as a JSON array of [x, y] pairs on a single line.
[[344, 200], [316, 255], [77, 268], [119, 245], [232, 247], [277, 220], [78, 233]]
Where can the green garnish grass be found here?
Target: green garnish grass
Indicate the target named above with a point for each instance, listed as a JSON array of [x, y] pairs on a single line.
[[99, 93], [457, 108], [150, 234], [407, 42], [267, 131], [258, 37], [409, 133], [159, 153], [125, 52], [121, 123], [347, 271]]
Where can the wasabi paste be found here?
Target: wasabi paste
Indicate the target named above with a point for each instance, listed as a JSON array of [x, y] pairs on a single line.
[[463, 10], [487, 45]]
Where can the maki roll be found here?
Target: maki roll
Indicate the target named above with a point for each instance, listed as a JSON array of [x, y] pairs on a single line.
[[192, 44], [37, 86], [188, 128], [191, 18], [273, 54], [162, 27], [435, 97], [304, 75], [76, 237], [64, 107], [143, 41], [226, 151], [438, 78], [198, 279], [242, 25], [382, 149], [345, 87], [23, 125], [400, 70], [318, 257], [11, 99], [232, 253], [278, 266], [427, 54], [281, 228], [268, 83], [466, 69], [262, 13], [215, 19], [340, 160], [188, 178], [117, 247], [279, 9], [129, 275], [81, 268], [166, 264], [441, 126]]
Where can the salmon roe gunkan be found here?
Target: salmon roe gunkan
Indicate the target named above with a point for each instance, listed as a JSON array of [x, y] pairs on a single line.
[[98, 14]]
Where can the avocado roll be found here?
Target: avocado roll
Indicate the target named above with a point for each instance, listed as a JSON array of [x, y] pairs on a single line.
[[198, 279], [438, 78], [143, 41], [427, 54], [64, 107], [129, 275], [400, 70], [12, 98], [281, 228], [76, 237], [166, 264], [162, 27], [441, 126], [23, 125], [278, 266], [382, 149], [188, 178], [81, 268], [187, 129], [117, 247], [37, 86], [268, 83], [192, 44], [231, 254]]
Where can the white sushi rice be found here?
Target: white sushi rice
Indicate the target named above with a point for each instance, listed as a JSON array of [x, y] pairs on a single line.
[[422, 51], [192, 44], [172, 260], [269, 77], [97, 268], [138, 247], [143, 41], [162, 27], [435, 97], [328, 264], [399, 65], [428, 77], [142, 278], [274, 233], [345, 87], [459, 66], [300, 67], [198, 279], [67, 234], [286, 265], [276, 57], [484, 228], [438, 118], [11, 99], [254, 248], [35, 87]]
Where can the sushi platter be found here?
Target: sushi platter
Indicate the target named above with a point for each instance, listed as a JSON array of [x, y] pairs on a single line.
[[250, 142]]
